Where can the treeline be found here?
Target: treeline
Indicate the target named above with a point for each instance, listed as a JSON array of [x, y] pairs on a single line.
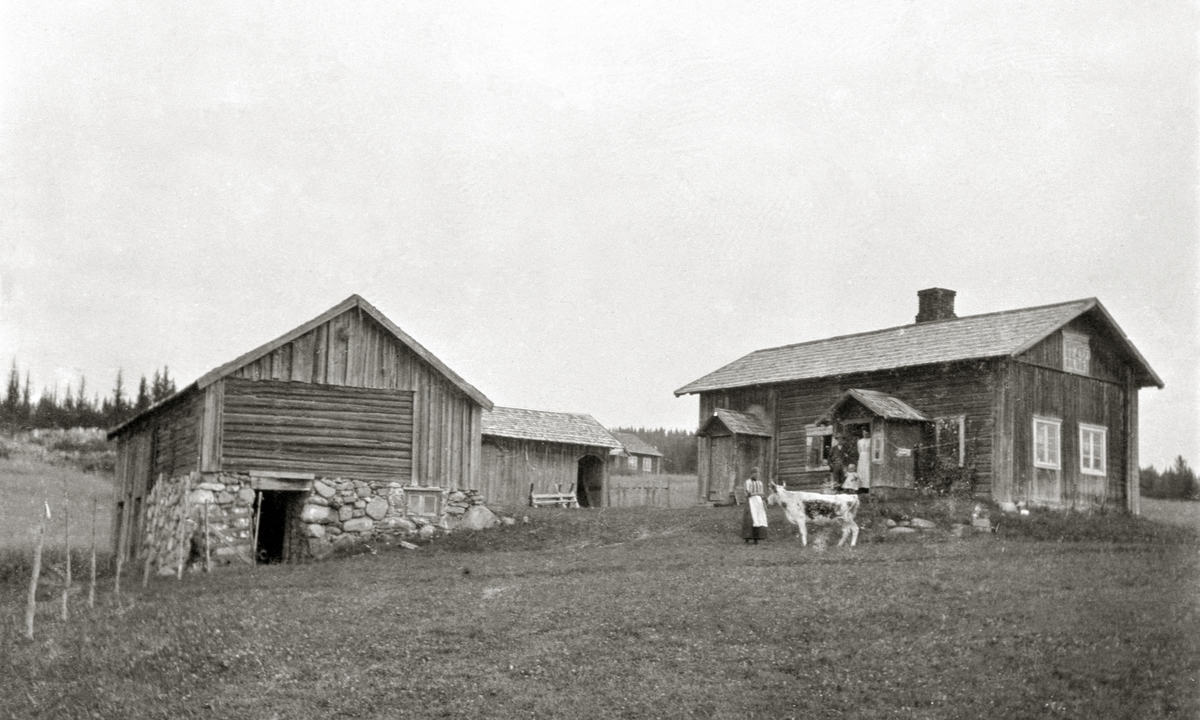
[[1177, 482], [677, 446], [75, 407]]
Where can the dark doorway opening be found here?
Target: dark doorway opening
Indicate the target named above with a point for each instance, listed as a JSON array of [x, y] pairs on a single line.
[[589, 482], [280, 536]]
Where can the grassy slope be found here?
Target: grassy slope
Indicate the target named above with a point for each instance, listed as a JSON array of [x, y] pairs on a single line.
[[28, 482], [643, 613]]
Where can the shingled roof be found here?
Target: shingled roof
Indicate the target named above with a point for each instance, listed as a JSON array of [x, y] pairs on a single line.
[[545, 426], [738, 423], [877, 403], [1001, 334], [635, 445]]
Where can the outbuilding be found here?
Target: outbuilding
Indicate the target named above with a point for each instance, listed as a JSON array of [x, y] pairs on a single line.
[[340, 429], [1038, 404], [538, 452], [635, 455]]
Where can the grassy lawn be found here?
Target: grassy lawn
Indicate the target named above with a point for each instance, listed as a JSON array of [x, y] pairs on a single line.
[[646, 613]]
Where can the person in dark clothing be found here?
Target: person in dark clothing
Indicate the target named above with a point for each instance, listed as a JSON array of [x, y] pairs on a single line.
[[837, 461]]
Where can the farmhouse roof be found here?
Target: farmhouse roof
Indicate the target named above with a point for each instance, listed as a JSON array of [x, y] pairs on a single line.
[[738, 423], [545, 426], [1001, 334], [352, 302], [877, 403], [635, 445]]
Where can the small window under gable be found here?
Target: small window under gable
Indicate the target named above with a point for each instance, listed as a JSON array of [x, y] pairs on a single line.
[[1077, 353]]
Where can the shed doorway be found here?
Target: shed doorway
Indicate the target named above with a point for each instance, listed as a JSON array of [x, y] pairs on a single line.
[[589, 482], [279, 535]]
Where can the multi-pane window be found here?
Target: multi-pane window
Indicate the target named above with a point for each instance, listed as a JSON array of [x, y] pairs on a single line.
[[1047, 443], [1093, 442], [647, 464], [423, 501], [818, 439], [1077, 353], [633, 462]]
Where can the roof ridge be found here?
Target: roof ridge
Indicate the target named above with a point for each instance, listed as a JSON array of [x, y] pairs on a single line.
[[922, 324]]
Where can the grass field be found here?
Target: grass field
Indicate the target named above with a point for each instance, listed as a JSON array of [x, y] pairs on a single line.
[[27, 483], [641, 613], [1183, 513]]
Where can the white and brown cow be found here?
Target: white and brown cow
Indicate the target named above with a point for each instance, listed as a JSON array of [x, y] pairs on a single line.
[[798, 505]]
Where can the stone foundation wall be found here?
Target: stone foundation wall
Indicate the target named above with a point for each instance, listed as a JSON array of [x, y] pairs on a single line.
[[336, 512]]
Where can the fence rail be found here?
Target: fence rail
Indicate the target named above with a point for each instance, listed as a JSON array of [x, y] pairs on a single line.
[[661, 491]]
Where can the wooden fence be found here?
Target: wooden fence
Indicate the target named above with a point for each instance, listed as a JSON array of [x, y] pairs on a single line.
[[648, 490]]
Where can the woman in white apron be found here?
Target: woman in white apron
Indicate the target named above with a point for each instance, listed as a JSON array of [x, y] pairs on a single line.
[[754, 520]]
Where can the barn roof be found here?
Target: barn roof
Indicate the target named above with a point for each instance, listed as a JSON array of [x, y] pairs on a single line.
[[545, 426], [350, 303], [635, 445], [738, 423], [1000, 334], [877, 403]]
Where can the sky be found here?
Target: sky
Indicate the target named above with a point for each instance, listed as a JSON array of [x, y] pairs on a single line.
[[584, 206]]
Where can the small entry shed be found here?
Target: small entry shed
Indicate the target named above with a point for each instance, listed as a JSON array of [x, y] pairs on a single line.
[[731, 444], [894, 428]]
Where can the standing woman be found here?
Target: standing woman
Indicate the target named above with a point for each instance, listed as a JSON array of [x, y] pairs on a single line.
[[754, 520]]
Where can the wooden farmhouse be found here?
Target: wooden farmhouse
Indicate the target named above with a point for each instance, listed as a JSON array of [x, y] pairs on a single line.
[[530, 453], [341, 428], [1037, 405], [635, 455]]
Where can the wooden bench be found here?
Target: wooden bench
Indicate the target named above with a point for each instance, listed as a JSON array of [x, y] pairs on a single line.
[[554, 499]]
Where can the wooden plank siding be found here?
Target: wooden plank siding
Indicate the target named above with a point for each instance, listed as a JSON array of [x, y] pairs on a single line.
[[353, 350], [1072, 399], [271, 425], [939, 391], [509, 465]]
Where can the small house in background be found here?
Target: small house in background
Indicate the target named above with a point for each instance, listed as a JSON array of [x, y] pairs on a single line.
[[635, 455], [1037, 405], [342, 428], [544, 453]]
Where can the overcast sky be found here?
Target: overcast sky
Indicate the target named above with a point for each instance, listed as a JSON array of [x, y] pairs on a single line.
[[584, 206]]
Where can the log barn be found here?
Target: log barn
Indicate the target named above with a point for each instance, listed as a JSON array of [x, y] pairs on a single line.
[[1038, 405], [340, 428], [536, 452]]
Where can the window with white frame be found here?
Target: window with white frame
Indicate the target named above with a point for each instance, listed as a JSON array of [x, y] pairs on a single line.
[[1047, 443], [633, 462], [647, 464], [1093, 444], [817, 441]]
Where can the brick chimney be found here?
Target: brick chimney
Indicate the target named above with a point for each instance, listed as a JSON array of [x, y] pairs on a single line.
[[935, 304]]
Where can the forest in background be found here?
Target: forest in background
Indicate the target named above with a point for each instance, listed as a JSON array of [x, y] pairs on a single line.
[[76, 407]]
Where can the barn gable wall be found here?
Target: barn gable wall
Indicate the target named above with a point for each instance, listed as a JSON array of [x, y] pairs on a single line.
[[353, 350]]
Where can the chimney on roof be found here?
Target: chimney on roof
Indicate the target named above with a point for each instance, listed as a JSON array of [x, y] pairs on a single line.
[[935, 304]]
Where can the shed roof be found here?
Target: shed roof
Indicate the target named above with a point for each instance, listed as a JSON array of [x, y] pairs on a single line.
[[1000, 334], [635, 445], [354, 301], [546, 426], [879, 404], [738, 423]]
